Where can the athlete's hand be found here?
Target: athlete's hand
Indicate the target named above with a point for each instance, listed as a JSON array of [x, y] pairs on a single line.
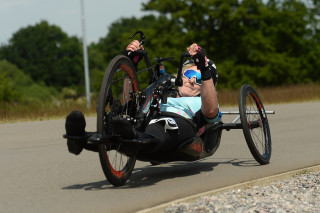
[[131, 49], [198, 54], [134, 46]]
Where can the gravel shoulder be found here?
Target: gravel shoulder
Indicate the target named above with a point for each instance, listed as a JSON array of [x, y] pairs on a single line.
[[295, 191]]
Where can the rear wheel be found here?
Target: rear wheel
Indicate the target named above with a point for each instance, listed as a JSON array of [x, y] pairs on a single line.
[[119, 82], [255, 124]]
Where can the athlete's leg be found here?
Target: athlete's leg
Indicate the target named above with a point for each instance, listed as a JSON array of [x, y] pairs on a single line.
[[170, 139]]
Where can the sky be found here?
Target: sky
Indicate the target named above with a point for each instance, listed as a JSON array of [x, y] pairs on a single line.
[[99, 14]]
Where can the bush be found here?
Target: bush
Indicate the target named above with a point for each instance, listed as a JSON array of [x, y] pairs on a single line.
[[16, 86]]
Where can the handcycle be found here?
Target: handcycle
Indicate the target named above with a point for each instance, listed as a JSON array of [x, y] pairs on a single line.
[[120, 96]]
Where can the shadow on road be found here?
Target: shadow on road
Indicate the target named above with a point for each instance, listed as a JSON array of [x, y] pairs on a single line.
[[94, 186], [150, 175], [244, 162]]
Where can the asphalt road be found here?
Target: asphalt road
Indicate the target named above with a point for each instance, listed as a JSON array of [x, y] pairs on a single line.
[[37, 174]]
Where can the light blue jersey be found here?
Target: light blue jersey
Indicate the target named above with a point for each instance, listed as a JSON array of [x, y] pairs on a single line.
[[186, 107]]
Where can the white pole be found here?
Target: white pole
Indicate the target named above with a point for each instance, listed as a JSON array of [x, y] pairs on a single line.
[[85, 56]]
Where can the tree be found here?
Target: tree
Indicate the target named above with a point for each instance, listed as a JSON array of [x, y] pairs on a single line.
[[7, 92], [47, 54], [251, 41], [16, 86], [264, 43]]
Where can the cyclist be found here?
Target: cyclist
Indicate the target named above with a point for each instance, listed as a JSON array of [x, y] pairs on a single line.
[[193, 110], [195, 107]]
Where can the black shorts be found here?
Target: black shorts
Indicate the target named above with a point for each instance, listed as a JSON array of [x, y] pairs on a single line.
[[170, 140]]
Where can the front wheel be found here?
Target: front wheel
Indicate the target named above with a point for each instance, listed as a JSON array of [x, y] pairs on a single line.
[[115, 99], [255, 124]]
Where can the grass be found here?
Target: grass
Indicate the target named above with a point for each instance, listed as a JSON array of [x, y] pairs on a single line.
[[60, 109], [43, 110], [275, 95]]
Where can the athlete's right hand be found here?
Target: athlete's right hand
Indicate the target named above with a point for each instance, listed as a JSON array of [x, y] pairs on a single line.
[[131, 49], [134, 46]]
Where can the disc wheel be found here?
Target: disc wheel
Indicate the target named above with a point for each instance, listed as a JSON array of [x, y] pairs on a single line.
[[119, 82], [255, 124]]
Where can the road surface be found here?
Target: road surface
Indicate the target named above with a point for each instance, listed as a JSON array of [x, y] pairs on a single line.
[[39, 175]]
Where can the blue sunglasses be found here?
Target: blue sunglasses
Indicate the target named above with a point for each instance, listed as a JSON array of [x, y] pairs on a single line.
[[191, 74]]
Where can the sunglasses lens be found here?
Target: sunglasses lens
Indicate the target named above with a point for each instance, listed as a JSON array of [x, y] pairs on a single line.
[[191, 74]]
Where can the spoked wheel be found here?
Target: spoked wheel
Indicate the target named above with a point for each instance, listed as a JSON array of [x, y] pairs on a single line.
[[119, 82], [255, 124]]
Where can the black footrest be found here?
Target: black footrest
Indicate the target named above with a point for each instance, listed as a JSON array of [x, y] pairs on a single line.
[[76, 138], [79, 138], [98, 139]]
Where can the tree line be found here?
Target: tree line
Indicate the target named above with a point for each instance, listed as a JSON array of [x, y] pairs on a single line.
[[263, 43]]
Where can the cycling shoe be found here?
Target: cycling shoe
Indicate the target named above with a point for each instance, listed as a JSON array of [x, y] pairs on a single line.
[[124, 128], [75, 126]]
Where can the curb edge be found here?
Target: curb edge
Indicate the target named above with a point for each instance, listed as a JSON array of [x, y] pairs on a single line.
[[244, 185]]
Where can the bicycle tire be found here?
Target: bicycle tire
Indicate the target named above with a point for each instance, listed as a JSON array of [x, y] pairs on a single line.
[[114, 101], [255, 127]]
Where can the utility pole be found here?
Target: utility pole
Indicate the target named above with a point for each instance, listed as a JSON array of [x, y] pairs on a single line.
[[85, 56]]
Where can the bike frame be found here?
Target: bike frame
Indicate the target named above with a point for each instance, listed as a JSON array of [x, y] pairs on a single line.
[[148, 104], [159, 86], [234, 124], [145, 105]]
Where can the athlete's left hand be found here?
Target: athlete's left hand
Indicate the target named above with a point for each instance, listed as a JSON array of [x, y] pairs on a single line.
[[198, 54]]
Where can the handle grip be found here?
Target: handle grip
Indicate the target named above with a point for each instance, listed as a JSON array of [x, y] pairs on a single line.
[[186, 55], [179, 81], [140, 52], [142, 40]]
